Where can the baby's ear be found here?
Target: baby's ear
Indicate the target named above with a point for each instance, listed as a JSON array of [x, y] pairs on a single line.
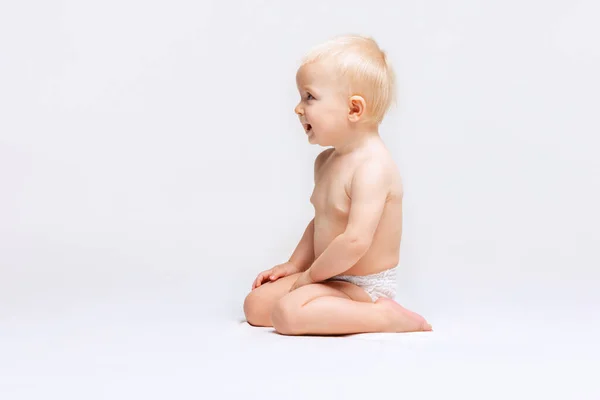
[[356, 108]]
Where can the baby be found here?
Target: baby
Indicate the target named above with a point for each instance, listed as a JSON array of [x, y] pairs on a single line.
[[341, 278]]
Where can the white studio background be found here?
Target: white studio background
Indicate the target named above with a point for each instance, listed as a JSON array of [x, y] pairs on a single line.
[[151, 163]]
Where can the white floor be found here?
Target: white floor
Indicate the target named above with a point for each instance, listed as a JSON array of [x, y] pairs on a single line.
[[154, 340]]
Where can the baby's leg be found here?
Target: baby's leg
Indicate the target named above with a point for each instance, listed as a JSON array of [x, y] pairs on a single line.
[[336, 308], [259, 303]]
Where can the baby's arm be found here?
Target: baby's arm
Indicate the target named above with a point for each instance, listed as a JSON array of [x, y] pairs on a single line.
[[368, 193]]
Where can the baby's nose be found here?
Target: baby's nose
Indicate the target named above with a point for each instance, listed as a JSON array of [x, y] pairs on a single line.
[[298, 110]]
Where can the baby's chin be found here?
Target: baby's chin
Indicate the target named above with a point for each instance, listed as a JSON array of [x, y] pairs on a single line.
[[311, 137]]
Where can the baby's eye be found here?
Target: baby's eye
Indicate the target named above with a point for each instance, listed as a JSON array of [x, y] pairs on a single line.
[[309, 97]]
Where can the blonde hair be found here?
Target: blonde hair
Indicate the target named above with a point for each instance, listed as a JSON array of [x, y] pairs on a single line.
[[364, 67]]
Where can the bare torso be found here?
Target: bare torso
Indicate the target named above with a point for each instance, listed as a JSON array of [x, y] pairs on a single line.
[[331, 201]]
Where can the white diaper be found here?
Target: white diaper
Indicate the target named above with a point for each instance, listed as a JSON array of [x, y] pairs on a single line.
[[381, 284]]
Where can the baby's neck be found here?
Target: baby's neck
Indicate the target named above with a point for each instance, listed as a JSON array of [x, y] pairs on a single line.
[[358, 140]]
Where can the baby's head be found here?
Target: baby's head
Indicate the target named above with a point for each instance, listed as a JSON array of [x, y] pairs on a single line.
[[346, 85]]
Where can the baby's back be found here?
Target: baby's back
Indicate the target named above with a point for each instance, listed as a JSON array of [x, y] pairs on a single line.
[[331, 200]]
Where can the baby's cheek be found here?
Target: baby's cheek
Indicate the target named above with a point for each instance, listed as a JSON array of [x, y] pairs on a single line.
[[334, 120]]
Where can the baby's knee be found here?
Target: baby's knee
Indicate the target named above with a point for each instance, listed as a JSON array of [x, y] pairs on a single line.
[[252, 308], [285, 318]]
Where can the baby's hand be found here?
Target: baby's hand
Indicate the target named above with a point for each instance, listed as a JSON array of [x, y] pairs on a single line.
[[303, 280], [278, 271]]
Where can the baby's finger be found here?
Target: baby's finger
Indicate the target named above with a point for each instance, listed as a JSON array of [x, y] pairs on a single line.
[[260, 279], [276, 275], [257, 281]]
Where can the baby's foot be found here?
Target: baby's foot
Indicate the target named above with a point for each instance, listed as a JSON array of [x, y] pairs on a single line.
[[400, 319]]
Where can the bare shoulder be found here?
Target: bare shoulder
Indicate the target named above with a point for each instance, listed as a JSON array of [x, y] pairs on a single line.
[[321, 158], [373, 170], [378, 170]]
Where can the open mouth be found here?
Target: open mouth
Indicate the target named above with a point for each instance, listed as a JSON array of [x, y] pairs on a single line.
[[307, 127]]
